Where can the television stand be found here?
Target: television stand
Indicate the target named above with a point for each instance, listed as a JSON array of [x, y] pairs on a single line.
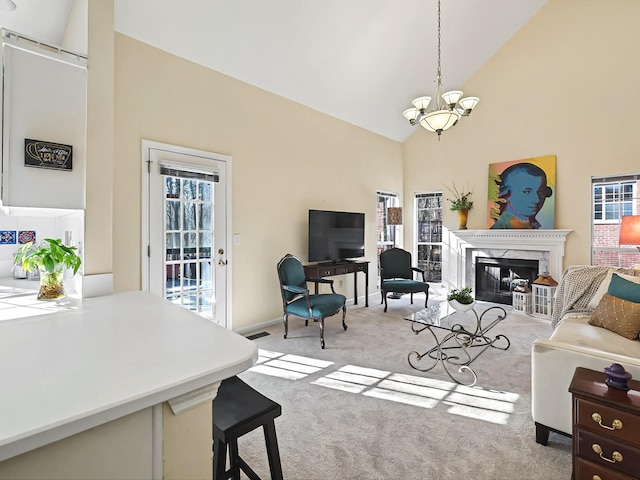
[[336, 262], [332, 269]]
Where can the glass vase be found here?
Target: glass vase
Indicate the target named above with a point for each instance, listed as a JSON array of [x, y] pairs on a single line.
[[51, 284]]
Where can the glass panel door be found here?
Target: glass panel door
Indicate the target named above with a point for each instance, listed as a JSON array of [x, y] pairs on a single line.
[[188, 230]]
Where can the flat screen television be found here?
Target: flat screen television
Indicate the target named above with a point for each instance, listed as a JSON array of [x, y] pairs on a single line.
[[335, 236]]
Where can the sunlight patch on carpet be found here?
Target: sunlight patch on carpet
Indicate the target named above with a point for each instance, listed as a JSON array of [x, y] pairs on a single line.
[[291, 367], [351, 378], [493, 406], [265, 355], [485, 415], [399, 397]]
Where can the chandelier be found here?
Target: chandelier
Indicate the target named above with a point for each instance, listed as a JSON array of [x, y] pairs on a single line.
[[449, 106]]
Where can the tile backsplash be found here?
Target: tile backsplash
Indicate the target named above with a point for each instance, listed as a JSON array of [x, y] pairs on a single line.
[[27, 224]]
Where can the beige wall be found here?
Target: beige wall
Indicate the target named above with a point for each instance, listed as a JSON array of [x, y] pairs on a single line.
[[541, 94], [565, 85], [286, 159], [100, 113]]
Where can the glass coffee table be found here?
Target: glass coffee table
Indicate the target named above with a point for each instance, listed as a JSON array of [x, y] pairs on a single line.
[[458, 338]]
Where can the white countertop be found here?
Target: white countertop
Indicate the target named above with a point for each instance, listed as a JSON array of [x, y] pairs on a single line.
[[80, 363]]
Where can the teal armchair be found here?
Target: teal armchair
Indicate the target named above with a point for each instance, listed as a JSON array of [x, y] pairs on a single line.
[[296, 299], [397, 275]]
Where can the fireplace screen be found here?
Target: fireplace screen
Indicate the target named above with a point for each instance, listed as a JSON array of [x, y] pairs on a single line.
[[496, 278]]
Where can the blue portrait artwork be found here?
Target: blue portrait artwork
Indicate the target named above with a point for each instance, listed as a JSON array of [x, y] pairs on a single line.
[[522, 195]]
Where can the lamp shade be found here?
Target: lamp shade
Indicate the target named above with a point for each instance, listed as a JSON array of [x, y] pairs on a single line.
[[411, 114], [451, 98], [440, 120], [468, 104], [394, 216], [630, 230], [421, 103]]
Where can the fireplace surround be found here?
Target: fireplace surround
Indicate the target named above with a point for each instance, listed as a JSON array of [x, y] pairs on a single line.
[[544, 246]]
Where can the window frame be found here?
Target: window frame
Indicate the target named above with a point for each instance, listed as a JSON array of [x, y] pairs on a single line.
[[434, 245], [605, 249]]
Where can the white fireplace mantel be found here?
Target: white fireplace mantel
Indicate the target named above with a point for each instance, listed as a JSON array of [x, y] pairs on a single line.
[[547, 245]]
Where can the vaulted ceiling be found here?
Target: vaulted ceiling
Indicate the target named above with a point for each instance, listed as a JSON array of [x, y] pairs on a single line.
[[362, 61]]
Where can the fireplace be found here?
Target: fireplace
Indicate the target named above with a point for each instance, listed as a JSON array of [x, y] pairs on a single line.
[[496, 278], [464, 246]]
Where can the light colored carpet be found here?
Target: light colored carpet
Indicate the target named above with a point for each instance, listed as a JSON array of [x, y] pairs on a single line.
[[357, 410]]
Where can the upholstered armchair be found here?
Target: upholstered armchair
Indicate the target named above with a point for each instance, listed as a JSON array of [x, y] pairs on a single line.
[[296, 299], [397, 275]]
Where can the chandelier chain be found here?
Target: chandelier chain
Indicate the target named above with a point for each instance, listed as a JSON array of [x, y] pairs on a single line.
[[449, 106], [439, 71]]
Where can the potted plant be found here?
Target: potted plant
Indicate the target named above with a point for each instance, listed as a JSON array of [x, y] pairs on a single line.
[[461, 203], [461, 300], [51, 257]]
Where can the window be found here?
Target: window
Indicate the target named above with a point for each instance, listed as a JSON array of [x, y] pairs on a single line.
[[387, 234], [188, 232], [428, 208], [613, 198]]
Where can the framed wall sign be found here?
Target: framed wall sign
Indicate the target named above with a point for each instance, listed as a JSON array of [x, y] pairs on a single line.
[[41, 154]]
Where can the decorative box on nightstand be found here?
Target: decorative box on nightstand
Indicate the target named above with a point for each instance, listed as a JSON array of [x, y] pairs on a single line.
[[606, 422]]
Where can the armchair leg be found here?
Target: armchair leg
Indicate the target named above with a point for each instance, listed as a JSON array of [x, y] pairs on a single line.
[[411, 298], [384, 299], [344, 313], [426, 298], [285, 320], [321, 325]]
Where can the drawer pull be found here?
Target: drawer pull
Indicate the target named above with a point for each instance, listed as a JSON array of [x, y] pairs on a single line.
[[616, 425], [616, 457], [596, 477]]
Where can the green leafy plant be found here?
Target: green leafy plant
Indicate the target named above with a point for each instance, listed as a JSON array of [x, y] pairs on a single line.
[[461, 200], [48, 256], [462, 296]]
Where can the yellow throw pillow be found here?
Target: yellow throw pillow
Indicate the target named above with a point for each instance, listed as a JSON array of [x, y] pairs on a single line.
[[618, 315]]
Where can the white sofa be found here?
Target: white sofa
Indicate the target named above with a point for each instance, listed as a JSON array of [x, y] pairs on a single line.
[[574, 343]]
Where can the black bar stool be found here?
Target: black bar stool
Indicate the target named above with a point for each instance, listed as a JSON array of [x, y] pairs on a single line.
[[238, 409]]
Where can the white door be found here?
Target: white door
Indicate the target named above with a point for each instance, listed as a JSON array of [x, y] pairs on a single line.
[[186, 233]]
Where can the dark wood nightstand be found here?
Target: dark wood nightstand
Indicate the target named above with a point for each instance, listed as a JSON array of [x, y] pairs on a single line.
[[606, 428]]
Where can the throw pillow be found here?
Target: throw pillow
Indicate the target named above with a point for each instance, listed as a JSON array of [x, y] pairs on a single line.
[[604, 286], [622, 288], [617, 315], [602, 289]]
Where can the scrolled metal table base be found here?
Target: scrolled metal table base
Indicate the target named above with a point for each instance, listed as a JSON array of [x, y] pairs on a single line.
[[454, 350]]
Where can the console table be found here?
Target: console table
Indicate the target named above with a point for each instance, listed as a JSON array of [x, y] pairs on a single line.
[[332, 269]]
